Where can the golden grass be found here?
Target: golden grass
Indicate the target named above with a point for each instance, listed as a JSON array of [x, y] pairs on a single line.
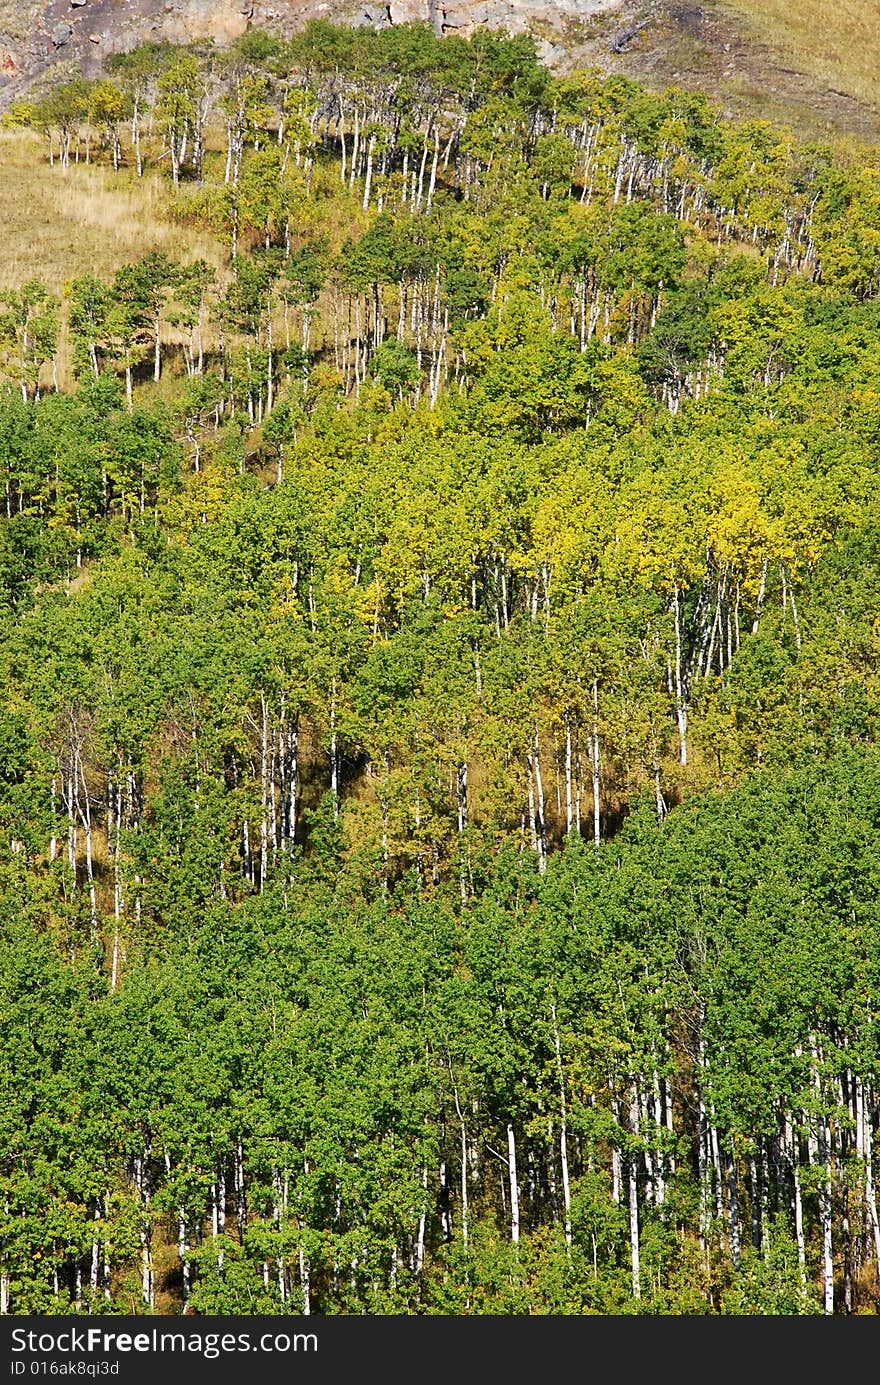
[[57, 224], [834, 43]]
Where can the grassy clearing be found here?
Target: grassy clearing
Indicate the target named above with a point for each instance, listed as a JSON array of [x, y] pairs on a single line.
[[56, 225]]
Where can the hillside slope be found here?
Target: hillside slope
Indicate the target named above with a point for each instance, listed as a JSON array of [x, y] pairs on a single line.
[[812, 65]]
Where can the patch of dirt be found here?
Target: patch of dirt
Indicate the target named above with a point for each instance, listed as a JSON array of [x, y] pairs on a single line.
[[701, 47]]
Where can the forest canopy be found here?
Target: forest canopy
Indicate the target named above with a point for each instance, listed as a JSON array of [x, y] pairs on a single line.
[[439, 648]]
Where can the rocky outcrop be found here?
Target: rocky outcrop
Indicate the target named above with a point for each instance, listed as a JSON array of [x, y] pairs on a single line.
[[38, 33], [463, 16]]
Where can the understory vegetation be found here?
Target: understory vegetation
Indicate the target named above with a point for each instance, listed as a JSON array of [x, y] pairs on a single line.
[[438, 769]]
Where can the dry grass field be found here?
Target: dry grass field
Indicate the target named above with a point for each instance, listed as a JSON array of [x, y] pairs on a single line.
[[55, 225]]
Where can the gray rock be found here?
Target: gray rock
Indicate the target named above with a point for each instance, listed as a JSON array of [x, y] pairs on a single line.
[[551, 54], [377, 16], [60, 35], [465, 16], [405, 11]]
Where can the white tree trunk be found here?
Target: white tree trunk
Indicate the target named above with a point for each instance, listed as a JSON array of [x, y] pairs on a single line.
[[514, 1186], [634, 1227], [563, 1130], [868, 1155], [597, 822]]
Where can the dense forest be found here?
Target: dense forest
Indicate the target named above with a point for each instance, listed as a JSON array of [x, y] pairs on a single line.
[[439, 649]]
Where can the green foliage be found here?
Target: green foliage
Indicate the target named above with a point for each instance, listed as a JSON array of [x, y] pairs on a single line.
[[440, 691]]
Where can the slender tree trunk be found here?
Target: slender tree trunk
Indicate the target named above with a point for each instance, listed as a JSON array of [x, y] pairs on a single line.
[[825, 1208], [462, 807], [514, 1186], [334, 756], [464, 1169], [569, 803], [157, 348], [798, 1208], [594, 766], [420, 1233], [368, 181], [305, 1282], [96, 1260], [733, 1210], [870, 1189], [536, 803], [147, 1280], [432, 182], [136, 139], [183, 1251], [563, 1130], [703, 1151], [824, 1156], [659, 1156], [86, 814], [264, 797], [681, 711], [633, 1188]]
